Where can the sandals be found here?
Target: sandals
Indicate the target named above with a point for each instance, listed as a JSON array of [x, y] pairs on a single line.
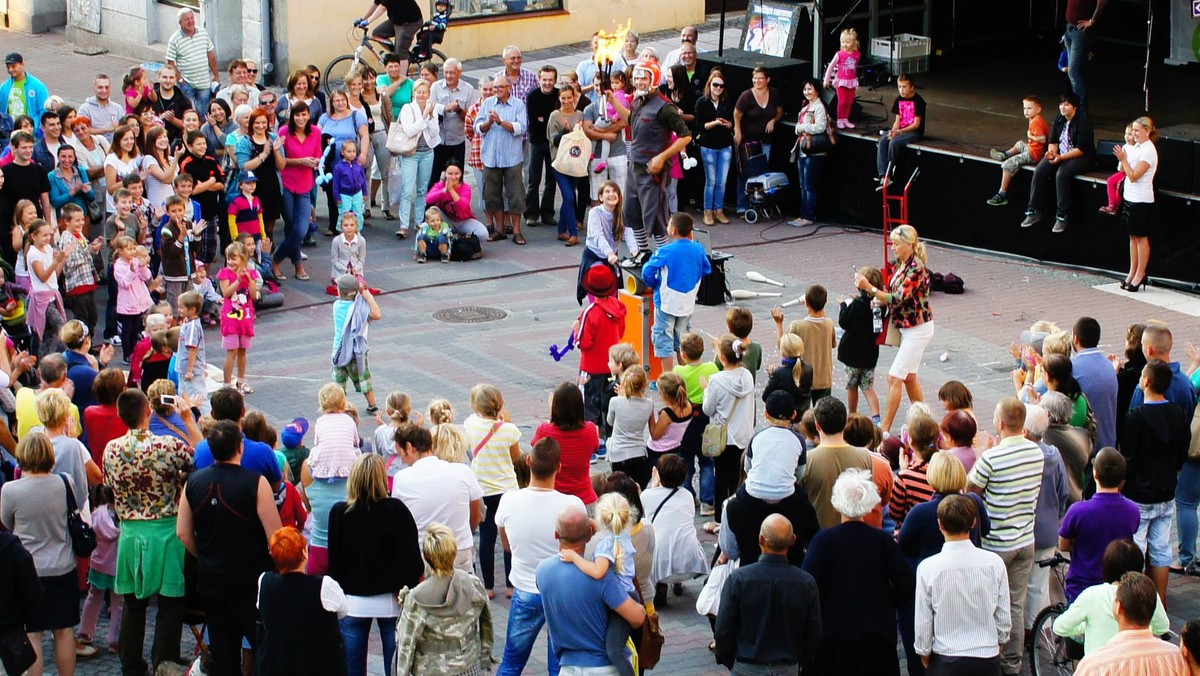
[[302, 276], [366, 214], [387, 215], [244, 387], [402, 234], [496, 236], [519, 239]]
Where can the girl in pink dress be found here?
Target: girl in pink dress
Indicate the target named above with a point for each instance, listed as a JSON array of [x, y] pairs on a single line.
[[239, 286], [845, 64]]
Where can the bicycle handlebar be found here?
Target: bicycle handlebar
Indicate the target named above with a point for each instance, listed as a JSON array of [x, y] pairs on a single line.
[[1053, 562]]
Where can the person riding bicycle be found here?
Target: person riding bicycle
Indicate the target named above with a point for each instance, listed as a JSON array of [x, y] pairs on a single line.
[[404, 19], [432, 32]]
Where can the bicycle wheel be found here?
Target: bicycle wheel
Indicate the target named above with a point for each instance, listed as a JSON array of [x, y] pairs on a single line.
[[436, 57], [338, 69], [1049, 654]]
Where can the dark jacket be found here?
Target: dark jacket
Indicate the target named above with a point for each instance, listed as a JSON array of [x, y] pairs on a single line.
[[539, 106], [1079, 132], [783, 378], [1154, 443], [857, 348], [745, 514], [20, 590], [373, 548], [1128, 378], [770, 614], [707, 110]]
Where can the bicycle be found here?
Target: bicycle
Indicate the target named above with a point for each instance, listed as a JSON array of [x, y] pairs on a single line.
[[1050, 654], [370, 52]]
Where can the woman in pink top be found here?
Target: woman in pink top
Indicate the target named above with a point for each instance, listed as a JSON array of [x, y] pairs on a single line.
[[453, 197], [958, 431], [578, 439], [299, 158]]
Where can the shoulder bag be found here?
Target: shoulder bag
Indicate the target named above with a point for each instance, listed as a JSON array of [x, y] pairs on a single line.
[[664, 503], [715, 437], [650, 642], [83, 538], [399, 143], [574, 153]]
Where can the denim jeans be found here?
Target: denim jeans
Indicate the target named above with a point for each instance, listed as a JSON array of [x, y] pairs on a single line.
[[1187, 499], [891, 149], [809, 168], [742, 202], [356, 631], [568, 220], [200, 97], [716, 170], [414, 176], [707, 475], [1078, 43], [297, 208], [525, 620]]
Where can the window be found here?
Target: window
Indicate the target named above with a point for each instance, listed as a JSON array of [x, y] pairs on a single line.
[[194, 4], [470, 9]]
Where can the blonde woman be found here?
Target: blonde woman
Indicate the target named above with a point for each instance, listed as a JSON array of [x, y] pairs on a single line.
[[907, 301], [373, 555], [1139, 166], [445, 624]]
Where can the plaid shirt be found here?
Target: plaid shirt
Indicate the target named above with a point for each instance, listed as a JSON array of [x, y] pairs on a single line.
[[475, 156], [525, 82], [80, 269]]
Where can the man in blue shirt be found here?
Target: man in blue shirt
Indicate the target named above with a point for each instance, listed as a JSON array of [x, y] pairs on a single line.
[[227, 404], [576, 605], [1097, 378], [501, 122], [22, 94]]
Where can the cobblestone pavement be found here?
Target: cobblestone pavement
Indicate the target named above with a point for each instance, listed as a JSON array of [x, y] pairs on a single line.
[[533, 286]]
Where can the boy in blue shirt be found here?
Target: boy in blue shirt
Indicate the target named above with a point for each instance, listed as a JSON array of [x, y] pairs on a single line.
[[354, 309], [674, 272]]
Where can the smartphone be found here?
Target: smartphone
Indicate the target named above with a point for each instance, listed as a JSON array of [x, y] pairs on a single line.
[[167, 400]]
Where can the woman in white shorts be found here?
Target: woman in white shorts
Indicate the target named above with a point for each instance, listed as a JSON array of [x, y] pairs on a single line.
[[907, 301]]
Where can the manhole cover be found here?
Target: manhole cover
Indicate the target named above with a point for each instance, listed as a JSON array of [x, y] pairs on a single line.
[[469, 314]]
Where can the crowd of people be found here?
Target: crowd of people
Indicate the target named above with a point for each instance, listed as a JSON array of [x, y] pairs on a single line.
[[840, 536]]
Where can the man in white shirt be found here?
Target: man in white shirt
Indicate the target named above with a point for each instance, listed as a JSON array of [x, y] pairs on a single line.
[[436, 490], [456, 97], [527, 521], [686, 36], [962, 609]]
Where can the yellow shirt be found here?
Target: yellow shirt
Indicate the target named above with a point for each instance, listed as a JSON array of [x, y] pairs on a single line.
[[27, 417]]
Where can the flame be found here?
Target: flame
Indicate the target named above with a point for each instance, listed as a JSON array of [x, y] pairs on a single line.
[[610, 46]]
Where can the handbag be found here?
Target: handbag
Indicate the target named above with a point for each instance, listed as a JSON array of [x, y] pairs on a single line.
[[574, 154], [16, 652], [892, 334], [95, 210], [651, 640], [709, 600], [83, 538], [399, 143], [715, 437], [466, 248]]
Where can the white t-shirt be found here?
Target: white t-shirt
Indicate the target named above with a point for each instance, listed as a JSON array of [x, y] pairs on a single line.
[[436, 490], [47, 259], [123, 169], [1142, 190], [528, 517]]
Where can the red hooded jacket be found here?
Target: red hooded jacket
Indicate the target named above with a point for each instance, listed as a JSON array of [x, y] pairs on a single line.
[[601, 326]]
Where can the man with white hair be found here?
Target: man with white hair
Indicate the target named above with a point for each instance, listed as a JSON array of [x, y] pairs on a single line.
[[475, 149], [191, 51], [1009, 477], [456, 97], [1073, 443], [1052, 504]]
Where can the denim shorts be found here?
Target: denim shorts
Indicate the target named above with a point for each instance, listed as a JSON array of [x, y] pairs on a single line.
[[1154, 531], [666, 333]]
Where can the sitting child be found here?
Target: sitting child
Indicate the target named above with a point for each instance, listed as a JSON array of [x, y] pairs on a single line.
[[433, 31], [1029, 151], [1116, 181], [433, 233]]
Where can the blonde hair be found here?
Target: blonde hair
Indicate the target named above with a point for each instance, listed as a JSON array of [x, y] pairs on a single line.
[[673, 390], [1146, 123], [486, 400], [53, 408], [946, 474], [623, 355], [35, 453], [1058, 342], [853, 35], [434, 211], [440, 548], [398, 406], [633, 382], [332, 398], [440, 411], [907, 234], [1044, 326], [792, 347], [449, 442], [368, 481], [614, 514]]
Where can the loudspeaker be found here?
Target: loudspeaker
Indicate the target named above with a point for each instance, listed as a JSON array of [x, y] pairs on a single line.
[[786, 75], [1179, 159]]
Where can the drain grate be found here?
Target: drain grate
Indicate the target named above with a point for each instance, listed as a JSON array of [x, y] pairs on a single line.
[[469, 314]]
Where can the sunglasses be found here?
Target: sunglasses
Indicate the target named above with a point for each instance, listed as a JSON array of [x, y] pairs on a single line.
[[718, 85], [252, 70]]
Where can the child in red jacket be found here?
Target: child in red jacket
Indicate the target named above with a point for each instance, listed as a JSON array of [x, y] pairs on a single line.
[[599, 327]]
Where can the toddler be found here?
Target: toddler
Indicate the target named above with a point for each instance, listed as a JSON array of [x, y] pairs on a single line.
[[202, 285], [861, 318], [294, 450], [434, 233], [601, 150], [1116, 181], [102, 571], [845, 64], [614, 549], [239, 287], [628, 414], [349, 182], [1029, 151]]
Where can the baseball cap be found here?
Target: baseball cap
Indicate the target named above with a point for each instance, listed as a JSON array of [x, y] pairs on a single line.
[[13, 57], [247, 177], [293, 433]]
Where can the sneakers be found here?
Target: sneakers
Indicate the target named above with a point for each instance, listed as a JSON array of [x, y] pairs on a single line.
[[997, 155], [847, 124], [601, 453], [372, 410], [841, 124], [1106, 209], [309, 242], [637, 261], [1032, 218], [421, 258], [445, 258], [1060, 224], [116, 340], [706, 509], [653, 386], [998, 200], [304, 256], [600, 167]]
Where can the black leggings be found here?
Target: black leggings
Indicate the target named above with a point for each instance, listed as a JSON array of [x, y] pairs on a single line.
[[728, 470], [487, 544]]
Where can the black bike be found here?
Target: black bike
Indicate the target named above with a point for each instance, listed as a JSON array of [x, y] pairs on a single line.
[[1050, 654], [370, 52]]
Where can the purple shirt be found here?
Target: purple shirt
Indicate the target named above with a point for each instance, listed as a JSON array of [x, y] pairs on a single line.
[[966, 454], [349, 178], [1092, 524]]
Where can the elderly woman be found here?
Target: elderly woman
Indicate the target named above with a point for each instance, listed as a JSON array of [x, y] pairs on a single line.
[[755, 115], [168, 418], [1072, 442], [863, 580], [342, 123], [958, 432], [418, 118], [907, 301], [34, 508], [373, 555], [678, 555], [445, 624], [1139, 166], [812, 128]]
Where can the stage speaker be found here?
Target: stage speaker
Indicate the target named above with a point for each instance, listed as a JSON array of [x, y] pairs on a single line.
[[1179, 159], [786, 74]]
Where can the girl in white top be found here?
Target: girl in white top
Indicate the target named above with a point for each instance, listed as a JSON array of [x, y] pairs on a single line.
[[725, 402], [1139, 166], [24, 216], [121, 162], [159, 167], [629, 416], [398, 408], [605, 226], [495, 443], [335, 436], [46, 314]]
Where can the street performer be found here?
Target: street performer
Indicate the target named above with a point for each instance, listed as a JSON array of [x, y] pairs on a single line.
[[652, 118]]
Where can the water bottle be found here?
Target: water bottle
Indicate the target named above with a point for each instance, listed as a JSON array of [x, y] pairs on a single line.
[[876, 318]]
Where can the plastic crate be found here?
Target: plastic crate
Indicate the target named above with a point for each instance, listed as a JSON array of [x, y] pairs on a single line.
[[917, 64], [907, 46]]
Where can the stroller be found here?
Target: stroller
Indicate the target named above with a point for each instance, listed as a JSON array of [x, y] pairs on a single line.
[[764, 193]]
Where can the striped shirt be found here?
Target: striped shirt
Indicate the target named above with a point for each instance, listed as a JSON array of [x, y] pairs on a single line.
[[502, 148], [335, 446], [962, 604], [492, 463], [910, 489], [1010, 475], [190, 54], [1134, 652], [475, 156]]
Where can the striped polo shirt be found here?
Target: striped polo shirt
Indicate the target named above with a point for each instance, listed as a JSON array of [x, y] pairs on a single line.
[[190, 54], [1010, 475]]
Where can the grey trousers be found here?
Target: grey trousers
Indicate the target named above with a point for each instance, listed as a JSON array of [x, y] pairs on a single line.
[[1019, 563]]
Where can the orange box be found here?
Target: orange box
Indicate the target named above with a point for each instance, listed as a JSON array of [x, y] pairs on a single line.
[[639, 317]]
